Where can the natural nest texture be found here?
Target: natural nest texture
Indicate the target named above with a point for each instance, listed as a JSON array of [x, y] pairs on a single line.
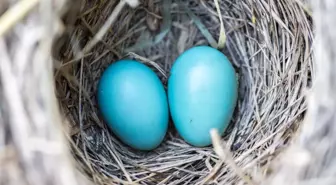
[[269, 43]]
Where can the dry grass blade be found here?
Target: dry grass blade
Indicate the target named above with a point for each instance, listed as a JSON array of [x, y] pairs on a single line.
[[225, 155], [155, 65], [166, 26], [15, 14], [105, 27], [222, 35], [305, 6], [200, 26]]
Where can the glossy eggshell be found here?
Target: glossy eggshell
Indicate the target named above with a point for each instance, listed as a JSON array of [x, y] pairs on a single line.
[[202, 94], [134, 104]]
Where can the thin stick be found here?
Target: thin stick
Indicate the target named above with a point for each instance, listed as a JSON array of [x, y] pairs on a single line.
[[145, 60], [15, 14], [107, 25]]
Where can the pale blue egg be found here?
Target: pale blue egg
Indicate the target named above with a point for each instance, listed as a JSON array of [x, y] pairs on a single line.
[[202, 94], [134, 104]]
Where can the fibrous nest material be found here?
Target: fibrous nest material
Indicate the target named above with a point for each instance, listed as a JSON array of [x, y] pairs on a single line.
[[52, 59]]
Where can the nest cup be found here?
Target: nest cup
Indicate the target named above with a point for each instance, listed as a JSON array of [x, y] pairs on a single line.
[[268, 42]]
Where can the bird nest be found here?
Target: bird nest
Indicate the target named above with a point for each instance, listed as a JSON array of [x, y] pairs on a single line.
[[269, 43]]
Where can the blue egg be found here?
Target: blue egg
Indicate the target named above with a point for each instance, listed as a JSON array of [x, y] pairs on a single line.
[[202, 94], [134, 104]]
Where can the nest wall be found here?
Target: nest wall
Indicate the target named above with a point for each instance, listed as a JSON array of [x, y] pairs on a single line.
[[49, 92]]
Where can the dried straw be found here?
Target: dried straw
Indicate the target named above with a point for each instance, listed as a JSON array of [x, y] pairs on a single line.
[[268, 41]]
